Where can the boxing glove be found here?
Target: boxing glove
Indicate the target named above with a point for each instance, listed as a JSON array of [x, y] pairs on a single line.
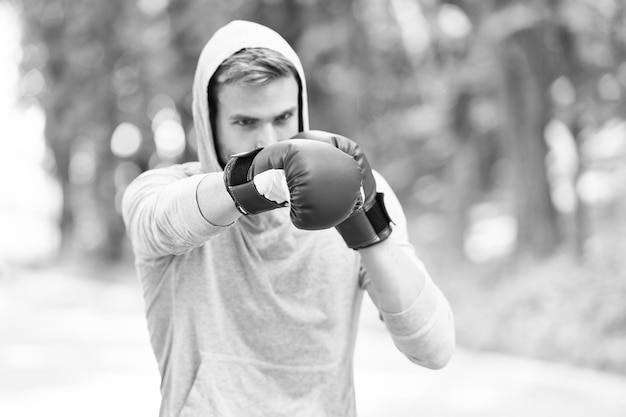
[[323, 182], [370, 223]]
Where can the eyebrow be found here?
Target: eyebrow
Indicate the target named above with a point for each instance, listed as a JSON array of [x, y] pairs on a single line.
[[243, 116]]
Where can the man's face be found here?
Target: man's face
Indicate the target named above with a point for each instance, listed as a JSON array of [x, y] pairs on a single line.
[[256, 116]]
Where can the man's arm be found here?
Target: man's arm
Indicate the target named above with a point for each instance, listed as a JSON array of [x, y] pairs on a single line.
[[413, 308], [214, 202], [172, 210]]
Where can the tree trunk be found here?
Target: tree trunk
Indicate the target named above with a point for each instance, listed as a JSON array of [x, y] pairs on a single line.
[[527, 75]]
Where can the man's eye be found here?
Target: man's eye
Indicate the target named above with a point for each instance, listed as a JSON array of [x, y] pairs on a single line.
[[244, 122], [284, 117]]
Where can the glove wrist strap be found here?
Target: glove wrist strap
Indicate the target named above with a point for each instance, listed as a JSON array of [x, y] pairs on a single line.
[[368, 227], [240, 186]]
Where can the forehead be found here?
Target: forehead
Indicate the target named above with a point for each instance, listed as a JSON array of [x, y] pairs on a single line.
[[273, 97]]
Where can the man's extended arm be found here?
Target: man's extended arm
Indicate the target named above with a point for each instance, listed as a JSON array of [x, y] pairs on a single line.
[[171, 210]]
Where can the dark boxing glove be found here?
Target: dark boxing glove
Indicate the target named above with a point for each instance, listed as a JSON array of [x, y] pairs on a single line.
[[369, 224], [324, 183]]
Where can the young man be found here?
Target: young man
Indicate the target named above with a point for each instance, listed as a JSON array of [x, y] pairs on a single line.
[[248, 314]]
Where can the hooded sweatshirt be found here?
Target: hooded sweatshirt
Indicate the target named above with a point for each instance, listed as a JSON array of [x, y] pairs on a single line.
[[256, 318]]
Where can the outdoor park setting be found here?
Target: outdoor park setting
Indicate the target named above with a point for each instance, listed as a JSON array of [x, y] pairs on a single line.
[[500, 125]]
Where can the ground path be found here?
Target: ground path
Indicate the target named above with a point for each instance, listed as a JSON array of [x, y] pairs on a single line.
[[75, 346]]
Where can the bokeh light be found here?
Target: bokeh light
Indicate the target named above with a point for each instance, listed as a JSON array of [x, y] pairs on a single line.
[[152, 7], [169, 135], [453, 22], [126, 140], [82, 167]]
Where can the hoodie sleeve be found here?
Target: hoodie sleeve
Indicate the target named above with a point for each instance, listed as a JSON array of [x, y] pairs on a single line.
[[424, 331], [161, 212]]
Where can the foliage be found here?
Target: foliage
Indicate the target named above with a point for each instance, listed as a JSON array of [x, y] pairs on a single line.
[[422, 85], [556, 310]]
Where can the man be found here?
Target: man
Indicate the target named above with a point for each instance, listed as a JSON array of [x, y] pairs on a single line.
[[248, 314]]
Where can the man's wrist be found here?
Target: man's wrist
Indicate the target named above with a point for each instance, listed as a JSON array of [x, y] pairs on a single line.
[[214, 203], [367, 227]]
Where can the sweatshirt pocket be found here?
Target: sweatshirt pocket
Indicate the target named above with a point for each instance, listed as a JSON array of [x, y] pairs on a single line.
[[204, 398], [228, 386]]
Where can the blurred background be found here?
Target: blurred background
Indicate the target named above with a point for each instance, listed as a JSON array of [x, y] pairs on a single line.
[[500, 125]]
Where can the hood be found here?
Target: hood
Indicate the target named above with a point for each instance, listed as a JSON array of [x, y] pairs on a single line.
[[228, 40]]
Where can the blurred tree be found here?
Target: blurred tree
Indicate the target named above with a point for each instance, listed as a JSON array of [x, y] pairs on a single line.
[[93, 78], [588, 94], [444, 96], [530, 60]]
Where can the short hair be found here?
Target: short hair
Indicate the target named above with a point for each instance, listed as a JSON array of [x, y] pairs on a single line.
[[249, 66], [253, 66]]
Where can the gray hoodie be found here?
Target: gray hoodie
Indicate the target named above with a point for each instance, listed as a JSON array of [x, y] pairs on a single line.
[[256, 318]]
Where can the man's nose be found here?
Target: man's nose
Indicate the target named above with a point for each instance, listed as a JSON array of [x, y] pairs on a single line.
[[267, 136]]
